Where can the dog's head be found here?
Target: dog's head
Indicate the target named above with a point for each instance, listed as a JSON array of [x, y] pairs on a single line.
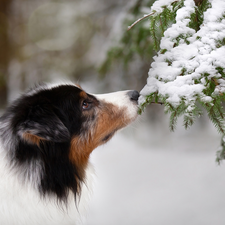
[[53, 129]]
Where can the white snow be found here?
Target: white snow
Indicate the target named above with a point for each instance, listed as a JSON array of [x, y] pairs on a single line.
[[173, 74], [151, 176], [157, 6]]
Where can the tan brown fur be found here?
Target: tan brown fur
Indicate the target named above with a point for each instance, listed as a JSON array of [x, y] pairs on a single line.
[[83, 95], [33, 139], [109, 120], [78, 85]]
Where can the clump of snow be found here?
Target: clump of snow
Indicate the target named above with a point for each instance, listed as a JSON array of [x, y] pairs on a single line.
[[158, 5], [191, 58]]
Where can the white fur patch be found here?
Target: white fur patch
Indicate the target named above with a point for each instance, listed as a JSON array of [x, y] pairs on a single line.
[[20, 203], [121, 100]]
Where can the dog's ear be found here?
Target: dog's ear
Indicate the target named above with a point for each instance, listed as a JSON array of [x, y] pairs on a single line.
[[43, 124]]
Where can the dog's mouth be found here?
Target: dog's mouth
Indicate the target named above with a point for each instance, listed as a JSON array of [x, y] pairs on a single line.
[[108, 136]]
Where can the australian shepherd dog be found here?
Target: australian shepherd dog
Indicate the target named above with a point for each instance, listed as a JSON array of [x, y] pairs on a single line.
[[46, 138]]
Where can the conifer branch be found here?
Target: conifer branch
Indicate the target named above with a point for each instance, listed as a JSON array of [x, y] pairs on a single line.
[[176, 37]]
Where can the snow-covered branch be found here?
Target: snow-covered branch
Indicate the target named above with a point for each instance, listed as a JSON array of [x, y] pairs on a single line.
[[189, 67]]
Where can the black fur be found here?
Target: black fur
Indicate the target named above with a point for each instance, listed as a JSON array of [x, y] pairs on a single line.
[[55, 115]]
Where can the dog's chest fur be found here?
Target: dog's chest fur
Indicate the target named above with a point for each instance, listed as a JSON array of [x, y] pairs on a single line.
[[21, 204]]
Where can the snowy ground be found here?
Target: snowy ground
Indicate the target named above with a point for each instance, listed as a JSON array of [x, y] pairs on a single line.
[[149, 176]]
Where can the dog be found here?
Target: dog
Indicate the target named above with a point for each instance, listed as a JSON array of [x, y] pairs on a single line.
[[46, 138]]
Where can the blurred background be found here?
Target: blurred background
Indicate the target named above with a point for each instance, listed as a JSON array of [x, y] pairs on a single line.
[[146, 175]]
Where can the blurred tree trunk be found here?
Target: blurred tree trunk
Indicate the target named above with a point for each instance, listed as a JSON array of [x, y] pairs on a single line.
[[5, 48]]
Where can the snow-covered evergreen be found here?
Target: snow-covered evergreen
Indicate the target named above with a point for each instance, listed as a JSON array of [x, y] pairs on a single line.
[[190, 65], [187, 74]]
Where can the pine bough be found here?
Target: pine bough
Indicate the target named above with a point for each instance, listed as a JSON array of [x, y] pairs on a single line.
[[188, 72]]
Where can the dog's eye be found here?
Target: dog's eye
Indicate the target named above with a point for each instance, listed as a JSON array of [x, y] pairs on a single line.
[[86, 105]]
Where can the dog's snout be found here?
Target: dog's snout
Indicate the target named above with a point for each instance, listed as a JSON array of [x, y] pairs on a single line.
[[134, 95]]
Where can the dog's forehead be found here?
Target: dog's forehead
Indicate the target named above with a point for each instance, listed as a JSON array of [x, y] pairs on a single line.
[[60, 84], [47, 86]]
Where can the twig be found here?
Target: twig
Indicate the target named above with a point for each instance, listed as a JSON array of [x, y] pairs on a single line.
[[150, 14], [137, 21], [159, 103]]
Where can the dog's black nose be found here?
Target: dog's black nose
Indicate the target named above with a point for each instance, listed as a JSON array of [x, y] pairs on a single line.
[[134, 95]]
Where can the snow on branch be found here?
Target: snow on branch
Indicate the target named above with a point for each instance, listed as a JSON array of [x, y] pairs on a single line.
[[190, 64]]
